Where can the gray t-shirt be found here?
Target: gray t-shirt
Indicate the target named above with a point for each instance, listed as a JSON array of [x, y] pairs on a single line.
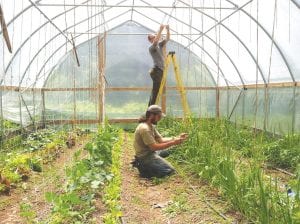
[[143, 137], [156, 51]]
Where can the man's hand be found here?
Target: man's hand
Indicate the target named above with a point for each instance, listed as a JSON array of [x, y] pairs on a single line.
[[183, 136], [180, 139], [161, 27]]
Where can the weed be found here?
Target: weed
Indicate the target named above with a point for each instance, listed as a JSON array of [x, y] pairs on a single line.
[[27, 212], [178, 205]]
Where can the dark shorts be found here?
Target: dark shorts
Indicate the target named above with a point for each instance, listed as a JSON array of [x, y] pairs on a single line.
[[156, 76], [154, 165]]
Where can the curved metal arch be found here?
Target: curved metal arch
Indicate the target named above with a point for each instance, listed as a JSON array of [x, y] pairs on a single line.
[[296, 4], [275, 43], [209, 55], [25, 41], [244, 45], [31, 61], [229, 30], [147, 28], [28, 66], [144, 15], [28, 38], [237, 70], [225, 28], [20, 13], [36, 2]]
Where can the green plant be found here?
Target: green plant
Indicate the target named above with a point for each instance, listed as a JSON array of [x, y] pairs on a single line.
[[27, 212], [178, 205], [112, 192], [284, 152], [230, 158], [84, 179]]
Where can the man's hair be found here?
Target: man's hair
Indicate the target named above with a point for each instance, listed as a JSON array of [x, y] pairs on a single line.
[[150, 35], [143, 119]]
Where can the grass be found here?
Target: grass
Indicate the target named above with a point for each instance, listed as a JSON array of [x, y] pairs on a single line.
[[230, 158], [178, 205]]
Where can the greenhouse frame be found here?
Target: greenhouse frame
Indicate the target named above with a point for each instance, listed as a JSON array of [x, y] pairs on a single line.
[[150, 111], [248, 73]]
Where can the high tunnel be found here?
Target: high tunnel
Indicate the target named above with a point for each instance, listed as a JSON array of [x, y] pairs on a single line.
[[237, 59]]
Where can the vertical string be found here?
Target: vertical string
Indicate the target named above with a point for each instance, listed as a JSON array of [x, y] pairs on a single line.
[[256, 78], [267, 97]]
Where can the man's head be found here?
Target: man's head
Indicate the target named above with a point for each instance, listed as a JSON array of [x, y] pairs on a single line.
[[151, 38], [154, 114]]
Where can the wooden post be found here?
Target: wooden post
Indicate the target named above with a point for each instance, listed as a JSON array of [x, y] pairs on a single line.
[[101, 78], [1, 120], [164, 96], [4, 30], [43, 109], [75, 51], [217, 102], [20, 111], [294, 108], [74, 99]]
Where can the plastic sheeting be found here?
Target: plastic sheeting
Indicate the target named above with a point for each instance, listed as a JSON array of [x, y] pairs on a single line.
[[127, 65], [219, 43]]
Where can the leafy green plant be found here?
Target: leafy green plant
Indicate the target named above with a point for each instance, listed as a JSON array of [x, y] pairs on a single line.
[[216, 151], [84, 180], [284, 152], [112, 192]]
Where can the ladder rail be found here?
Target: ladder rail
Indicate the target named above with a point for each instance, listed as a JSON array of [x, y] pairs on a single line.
[[180, 87]]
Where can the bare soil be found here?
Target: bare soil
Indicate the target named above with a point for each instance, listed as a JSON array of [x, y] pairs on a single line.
[[175, 199]]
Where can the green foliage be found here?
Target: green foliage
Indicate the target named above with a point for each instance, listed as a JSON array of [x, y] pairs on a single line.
[[84, 179], [178, 205], [284, 152], [27, 212], [38, 147], [47, 138], [9, 124], [112, 192], [10, 144], [17, 167], [215, 151]]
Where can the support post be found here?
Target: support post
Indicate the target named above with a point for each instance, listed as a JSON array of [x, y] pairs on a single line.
[[75, 51], [101, 78], [1, 120], [164, 95], [5, 31], [43, 109], [217, 102], [294, 108], [74, 99]]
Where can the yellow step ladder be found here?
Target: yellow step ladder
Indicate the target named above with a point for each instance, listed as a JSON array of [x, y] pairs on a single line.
[[180, 87]]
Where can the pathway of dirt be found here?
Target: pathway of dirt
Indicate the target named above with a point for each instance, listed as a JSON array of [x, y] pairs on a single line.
[[170, 200], [33, 191]]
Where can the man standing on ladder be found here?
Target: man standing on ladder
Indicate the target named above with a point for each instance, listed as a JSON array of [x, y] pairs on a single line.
[[157, 54]]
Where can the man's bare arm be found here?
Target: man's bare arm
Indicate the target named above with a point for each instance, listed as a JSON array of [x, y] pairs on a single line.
[[158, 35], [165, 145], [168, 33]]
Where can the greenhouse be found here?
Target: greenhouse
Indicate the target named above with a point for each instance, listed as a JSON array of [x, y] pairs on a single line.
[[95, 94]]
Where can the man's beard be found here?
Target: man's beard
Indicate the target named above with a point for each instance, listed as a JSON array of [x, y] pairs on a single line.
[[153, 121]]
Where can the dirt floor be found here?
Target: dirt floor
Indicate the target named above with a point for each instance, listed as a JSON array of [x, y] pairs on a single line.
[[179, 199], [32, 192]]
